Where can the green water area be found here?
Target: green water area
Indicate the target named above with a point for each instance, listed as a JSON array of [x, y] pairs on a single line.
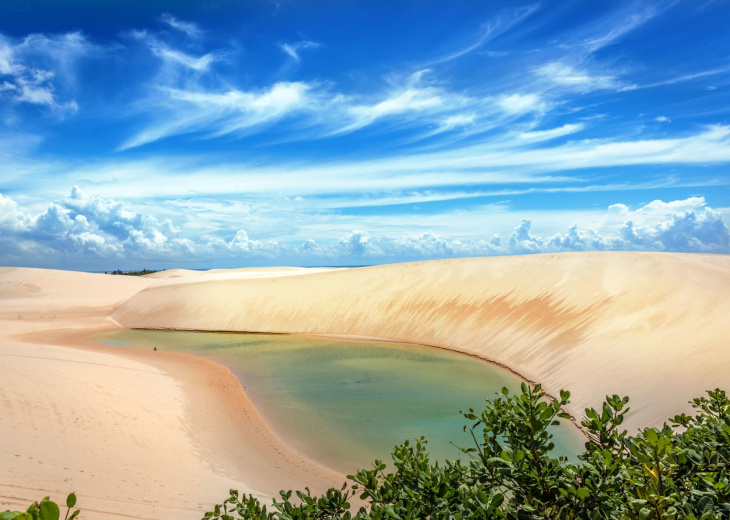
[[346, 402]]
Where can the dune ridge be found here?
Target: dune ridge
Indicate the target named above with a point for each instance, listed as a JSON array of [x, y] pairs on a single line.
[[650, 325]]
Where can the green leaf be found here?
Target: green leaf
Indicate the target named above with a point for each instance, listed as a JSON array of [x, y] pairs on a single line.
[[583, 493], [49, 511], [651, 435], [71, 500]]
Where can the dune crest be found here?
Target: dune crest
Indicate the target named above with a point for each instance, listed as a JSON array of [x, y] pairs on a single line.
[[650, 325]]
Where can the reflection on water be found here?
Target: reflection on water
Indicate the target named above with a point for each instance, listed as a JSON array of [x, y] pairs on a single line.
[[346, 403]]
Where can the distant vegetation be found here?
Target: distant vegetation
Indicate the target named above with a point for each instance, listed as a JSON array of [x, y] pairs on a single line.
[[132, 273], [679, 471]]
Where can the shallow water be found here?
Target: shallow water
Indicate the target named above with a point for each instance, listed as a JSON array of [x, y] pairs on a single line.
[[346, 403]]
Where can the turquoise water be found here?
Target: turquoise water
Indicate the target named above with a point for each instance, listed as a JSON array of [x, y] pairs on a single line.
[[346, 403]]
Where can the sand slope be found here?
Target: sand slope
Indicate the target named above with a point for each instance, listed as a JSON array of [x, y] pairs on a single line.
[[653, 326], [136, 434], [161, 435]]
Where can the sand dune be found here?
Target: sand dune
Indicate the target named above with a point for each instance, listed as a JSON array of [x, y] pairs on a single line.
[[653, 326], [160, 435], [176, 276], [136, 434]]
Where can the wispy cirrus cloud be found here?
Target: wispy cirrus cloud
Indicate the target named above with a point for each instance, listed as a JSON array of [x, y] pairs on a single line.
[[612, 28], [491, 29], [39, 69], [293, 49], [171, 55], [189, 28], [220, 113], [316, 110], [569, 77], [552, 133], [530, 159]]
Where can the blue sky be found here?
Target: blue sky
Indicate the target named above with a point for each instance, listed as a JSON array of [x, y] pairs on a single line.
[[220, 134]]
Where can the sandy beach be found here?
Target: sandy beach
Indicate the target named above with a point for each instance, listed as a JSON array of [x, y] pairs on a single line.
[[159, 435]]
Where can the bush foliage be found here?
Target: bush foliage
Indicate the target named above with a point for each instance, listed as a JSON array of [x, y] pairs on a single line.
[[677, 471], [46, 509]]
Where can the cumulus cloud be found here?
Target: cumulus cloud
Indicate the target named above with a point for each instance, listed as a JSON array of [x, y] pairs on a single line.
[[241, 244], [684, 225], [100, 227], [98, 230], [676, 226], [523, 240]]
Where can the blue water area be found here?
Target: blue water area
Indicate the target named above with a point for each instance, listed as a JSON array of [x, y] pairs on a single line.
[[347, 402]]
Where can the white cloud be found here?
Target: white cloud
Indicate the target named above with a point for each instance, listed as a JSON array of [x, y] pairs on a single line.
[[292, 49], [522, 103], [552, 133], [172, 57], [241, 244], [227, 112], [33, 69], [569, 77], [619, 24], [467, 169], [11, 220], [414, 100], [457, 121], [663, 119], [523, 240], [200, 64], [314, 110], [490, 30], [101, 230], [188, 28]]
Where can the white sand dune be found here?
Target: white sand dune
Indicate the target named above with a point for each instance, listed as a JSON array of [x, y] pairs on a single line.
[[653, 326], [136, 434], [176, 276], [162, 435]]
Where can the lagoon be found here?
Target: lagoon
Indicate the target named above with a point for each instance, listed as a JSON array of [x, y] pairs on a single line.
[[347, 402]]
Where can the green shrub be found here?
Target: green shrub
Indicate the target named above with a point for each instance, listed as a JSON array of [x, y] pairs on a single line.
[[677, 471], [43, 510]]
